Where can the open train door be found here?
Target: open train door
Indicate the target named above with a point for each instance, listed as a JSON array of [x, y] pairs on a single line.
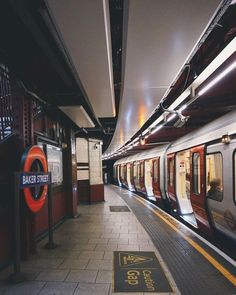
[[197, 188], [156, 179], [171, 180]]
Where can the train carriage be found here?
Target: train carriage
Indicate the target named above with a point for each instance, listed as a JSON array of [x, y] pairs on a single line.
[[196, 174]]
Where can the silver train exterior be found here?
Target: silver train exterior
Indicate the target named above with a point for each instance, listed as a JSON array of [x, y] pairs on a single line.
[[195, 175]]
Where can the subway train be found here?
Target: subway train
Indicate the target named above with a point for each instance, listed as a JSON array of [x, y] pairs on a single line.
[[194, 176]]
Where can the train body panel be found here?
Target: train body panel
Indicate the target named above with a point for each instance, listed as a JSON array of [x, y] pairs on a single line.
[[195, 175]]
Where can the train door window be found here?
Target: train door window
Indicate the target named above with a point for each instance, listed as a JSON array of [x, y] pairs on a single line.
[[183, 181], [135, 172], [196, 174], [171, 172], [141, 170], [138, 172], [183, 174], [234, 177], [155, 172], [214, 174], [125, 172], [114, 172]]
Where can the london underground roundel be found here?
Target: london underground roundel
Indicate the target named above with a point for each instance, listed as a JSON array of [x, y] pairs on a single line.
[[34, 160]]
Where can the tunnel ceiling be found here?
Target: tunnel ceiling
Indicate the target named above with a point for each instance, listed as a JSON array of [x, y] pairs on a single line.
[[122, 59]]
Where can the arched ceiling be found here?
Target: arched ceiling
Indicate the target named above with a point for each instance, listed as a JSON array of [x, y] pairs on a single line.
[[159, 37], [102, 62]]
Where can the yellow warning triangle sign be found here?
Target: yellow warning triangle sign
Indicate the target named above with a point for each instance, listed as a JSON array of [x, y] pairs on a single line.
[[127, 259]]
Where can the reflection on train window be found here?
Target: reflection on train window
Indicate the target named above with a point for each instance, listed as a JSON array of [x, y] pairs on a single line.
[[183, 174], [214, 177], [196, 174], [138, 172], [141, 170], [235, 177], [171, 172], [155, 172], [125, 172]]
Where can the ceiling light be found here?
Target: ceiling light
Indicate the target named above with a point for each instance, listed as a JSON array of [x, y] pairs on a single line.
[[156, 129], [217, 79]]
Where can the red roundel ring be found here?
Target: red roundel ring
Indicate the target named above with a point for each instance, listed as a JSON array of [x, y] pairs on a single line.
[[29, 157]]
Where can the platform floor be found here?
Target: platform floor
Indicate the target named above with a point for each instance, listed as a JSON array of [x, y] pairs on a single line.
[[83, 263]]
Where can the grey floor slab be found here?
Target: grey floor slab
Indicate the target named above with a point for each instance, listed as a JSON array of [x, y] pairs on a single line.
[[26, 288], [89, 289], [58, 275], [82, 276], [52, 288]]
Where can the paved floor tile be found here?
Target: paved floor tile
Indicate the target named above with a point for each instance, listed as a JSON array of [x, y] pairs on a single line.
[[52, 275], [91, 254], [52, 288], [82, 276], [109, 247], [98, 241], [84, 247], [74, 264], [108, 255], [128, 248], [89, 289], [26, 288], [100, 264], [104, 276]]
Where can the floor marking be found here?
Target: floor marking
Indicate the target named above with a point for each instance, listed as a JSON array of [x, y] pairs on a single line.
[[212, 260]]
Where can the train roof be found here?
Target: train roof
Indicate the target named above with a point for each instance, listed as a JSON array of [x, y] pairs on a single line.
[[208, 133], [152, 153]]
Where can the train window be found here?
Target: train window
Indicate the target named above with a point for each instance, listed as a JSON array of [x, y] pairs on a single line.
[[214, 174], [141, 168], [155, 172], [234, 176], [196, 174], [171, 172]]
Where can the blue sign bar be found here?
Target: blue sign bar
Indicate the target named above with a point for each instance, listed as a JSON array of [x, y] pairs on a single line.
[[32, 179]]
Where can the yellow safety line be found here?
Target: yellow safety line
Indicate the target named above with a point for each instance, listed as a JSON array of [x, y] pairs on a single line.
[[211, 259]]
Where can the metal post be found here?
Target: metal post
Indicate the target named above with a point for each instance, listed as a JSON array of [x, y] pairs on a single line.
[[50, 244], [17, 276]]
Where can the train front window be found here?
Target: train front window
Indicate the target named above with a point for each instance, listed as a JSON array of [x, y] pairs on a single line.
[[196, 174], [214, 177]]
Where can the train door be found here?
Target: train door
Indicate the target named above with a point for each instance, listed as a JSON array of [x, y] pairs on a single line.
[[220, 187], [183, 182], [156, 178], [125, 175], [128, 175], [136, 175], [118, 174], [132, 176], [141, 179], [148, 177], [171, 180], [198, 188]]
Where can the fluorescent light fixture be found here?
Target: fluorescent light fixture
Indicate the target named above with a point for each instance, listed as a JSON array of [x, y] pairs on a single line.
[[145, 131], [183, 108], [218, 78], [136, 139], [171, 117], [156, 129]]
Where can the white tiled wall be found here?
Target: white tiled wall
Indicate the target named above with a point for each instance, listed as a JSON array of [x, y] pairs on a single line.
[[95, 162], [82, 156]]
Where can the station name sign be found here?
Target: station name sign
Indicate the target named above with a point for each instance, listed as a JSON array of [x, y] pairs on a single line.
[[31, 179]]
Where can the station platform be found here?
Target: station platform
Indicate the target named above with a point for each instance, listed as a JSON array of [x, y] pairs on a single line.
[[113, 246]]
